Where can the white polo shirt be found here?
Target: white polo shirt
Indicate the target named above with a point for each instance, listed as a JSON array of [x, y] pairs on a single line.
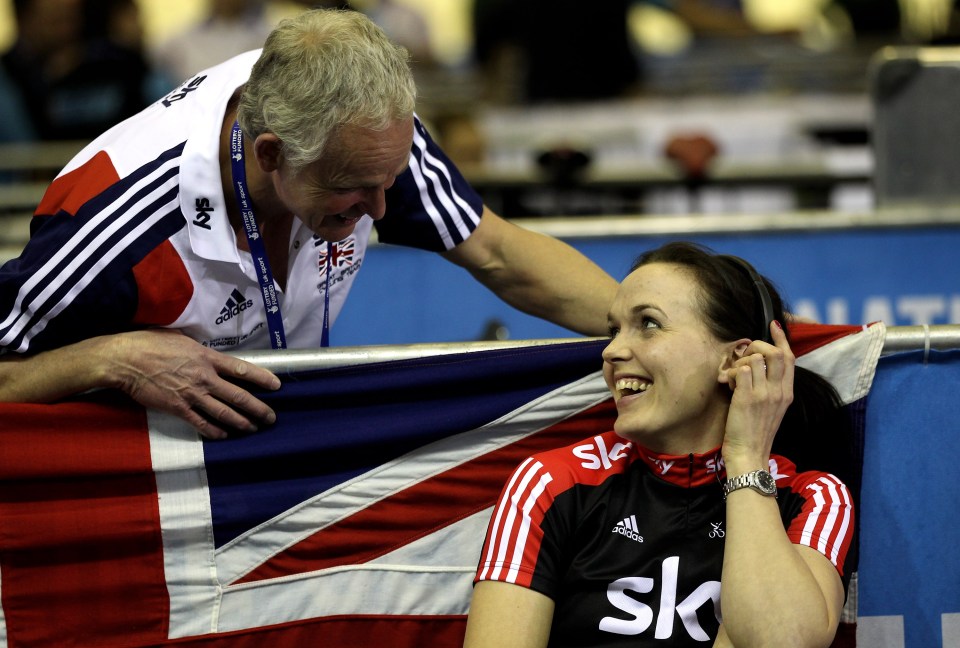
[[134, 233]]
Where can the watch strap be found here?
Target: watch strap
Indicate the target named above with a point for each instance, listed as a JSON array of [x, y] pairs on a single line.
[[755, 480]]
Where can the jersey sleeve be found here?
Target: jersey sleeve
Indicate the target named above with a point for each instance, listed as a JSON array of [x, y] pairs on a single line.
[[77, 276], [430, 206], [825, 521], [523, 545]]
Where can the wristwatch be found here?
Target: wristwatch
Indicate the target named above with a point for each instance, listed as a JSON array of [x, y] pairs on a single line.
[[759, 480]]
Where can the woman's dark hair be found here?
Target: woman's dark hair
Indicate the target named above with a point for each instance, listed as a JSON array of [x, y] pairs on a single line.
[[815, 433]]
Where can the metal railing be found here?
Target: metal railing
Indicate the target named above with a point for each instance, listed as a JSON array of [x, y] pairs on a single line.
[[898, 339]]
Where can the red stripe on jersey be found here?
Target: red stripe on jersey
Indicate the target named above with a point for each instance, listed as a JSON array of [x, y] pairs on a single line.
[[163, 285], [72, 190], [826, 519], [515, 534]]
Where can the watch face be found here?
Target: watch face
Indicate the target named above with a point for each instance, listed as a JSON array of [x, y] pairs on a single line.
[[766, 481]]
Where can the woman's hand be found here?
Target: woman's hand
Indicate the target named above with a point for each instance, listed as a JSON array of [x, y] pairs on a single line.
[[762, 384]]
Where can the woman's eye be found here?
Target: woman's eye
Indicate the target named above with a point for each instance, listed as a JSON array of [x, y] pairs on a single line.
[[649, 322], [612, 331]]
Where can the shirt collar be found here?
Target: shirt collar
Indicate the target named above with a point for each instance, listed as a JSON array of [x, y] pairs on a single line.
[[201, 194], [688, 470]]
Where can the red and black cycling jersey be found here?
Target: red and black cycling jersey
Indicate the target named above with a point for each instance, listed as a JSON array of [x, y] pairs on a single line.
[[629, 543]]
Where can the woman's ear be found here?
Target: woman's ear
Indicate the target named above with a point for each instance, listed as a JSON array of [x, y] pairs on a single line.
[[732, 352], [267, 151]]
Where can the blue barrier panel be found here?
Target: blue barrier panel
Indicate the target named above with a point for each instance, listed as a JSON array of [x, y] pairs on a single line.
[[910, 529], [900, 275]]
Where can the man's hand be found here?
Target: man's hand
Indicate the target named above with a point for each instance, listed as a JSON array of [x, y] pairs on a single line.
[[168, 371]]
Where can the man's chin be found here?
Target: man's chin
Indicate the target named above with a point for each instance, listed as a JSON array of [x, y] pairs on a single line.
[[335, 231]]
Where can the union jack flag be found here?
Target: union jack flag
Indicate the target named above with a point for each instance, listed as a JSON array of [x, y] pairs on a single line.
[[340, 254], [357, 519]]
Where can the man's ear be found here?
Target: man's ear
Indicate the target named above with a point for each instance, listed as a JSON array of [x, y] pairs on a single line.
[[733, 352], [267, 151]]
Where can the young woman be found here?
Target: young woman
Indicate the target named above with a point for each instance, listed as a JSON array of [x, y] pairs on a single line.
[[625, 539]]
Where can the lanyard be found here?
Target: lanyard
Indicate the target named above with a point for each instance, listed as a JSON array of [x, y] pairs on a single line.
[[261, 266]]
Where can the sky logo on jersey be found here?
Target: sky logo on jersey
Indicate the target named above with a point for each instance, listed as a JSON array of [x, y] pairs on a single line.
[[643, 615], [184, 90], [202, 219], [595, 455], [236, 304], [628, 527]]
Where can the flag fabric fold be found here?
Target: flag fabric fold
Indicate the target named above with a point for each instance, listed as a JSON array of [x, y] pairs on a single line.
[[357, 518]]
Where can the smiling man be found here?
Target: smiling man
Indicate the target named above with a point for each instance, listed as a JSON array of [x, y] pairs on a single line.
[[234, 215]]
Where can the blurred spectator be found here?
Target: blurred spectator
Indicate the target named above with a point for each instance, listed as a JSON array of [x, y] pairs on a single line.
[[230, 28], [564, 49], [114, 28], [873, 19], [405, 26], [711, 18], [951, 33], [15, 122], [73, 80]]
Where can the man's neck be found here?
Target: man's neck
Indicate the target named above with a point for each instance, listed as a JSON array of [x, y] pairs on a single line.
[[274, 228]]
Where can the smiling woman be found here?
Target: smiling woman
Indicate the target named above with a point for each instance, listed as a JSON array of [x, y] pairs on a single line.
[[699, 509]]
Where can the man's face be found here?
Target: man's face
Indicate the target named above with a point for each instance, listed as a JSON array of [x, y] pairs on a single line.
[[349, 182]]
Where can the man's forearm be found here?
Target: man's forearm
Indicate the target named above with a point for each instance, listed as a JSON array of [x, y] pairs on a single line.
[[538, 274], [53, 375], [556, 282]]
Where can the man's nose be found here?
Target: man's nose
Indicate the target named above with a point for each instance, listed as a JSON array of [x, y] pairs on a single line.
[[374, 203]]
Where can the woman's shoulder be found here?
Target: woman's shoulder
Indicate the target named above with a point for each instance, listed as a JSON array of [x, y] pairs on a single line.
[[806, 482], [590, 460]]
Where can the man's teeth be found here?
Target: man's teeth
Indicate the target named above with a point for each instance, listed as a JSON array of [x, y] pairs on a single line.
[[631, 384]]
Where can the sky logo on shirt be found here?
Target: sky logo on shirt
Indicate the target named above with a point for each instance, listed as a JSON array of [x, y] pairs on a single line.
[[184, 90], [203, 207]]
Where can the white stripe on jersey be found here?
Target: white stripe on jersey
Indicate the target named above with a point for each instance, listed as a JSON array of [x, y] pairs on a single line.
[[499, 540], [847, 507], [80, 251], [838, 497], [532, 498], [446, 199], [503, 540], [497, 517]]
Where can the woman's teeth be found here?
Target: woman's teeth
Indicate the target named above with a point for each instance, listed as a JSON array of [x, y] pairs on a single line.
[[631, 385]]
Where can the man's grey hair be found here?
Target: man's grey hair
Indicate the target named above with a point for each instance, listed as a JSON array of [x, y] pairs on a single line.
[[320, 70]]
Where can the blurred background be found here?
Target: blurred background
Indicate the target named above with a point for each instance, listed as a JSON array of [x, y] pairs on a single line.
[[659, 91]]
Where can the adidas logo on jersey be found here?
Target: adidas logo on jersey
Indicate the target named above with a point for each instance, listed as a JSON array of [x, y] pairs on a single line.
[[628, 527], [236, 304]]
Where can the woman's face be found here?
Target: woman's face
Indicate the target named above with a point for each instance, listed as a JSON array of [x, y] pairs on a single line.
[[662, 363]]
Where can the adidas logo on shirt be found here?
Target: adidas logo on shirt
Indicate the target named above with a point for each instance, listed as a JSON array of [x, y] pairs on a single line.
[[628, 527], [236, 304]]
